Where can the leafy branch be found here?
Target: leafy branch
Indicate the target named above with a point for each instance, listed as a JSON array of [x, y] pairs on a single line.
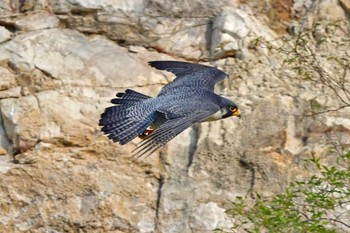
[[318, 204]]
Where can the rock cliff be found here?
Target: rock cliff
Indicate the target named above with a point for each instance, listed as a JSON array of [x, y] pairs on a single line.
[[61, 61]]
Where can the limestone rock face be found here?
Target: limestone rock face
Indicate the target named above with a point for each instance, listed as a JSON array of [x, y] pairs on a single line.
[[7, 79], [37, 22], [232, 32], [62, 61], [4, 34], [170, 26]]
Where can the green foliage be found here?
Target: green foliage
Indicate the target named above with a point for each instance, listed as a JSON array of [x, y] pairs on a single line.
[[317, 204]]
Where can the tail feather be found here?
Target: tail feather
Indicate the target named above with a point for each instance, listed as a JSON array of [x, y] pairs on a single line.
[[122, 128], [125, 133], [130, 94], [112, 114], [124, 121], [136, 130], [117, 126], [129, 97], [123, 101], [114, 110]]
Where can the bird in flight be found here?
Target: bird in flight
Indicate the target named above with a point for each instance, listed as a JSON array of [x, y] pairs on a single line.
[[187, 100]]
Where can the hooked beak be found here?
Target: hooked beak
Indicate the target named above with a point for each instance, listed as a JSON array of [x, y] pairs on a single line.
[[237, 113]]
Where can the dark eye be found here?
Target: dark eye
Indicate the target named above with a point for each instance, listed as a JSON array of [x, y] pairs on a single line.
[[233, 109]]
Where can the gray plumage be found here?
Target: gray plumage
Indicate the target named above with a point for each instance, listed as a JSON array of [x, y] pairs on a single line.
[[188, 99]]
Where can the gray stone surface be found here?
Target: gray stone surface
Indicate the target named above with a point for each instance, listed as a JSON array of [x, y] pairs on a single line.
[[4, 34], [37, 21]]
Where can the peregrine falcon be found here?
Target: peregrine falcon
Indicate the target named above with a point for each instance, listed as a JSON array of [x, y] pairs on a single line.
[[187, 100]]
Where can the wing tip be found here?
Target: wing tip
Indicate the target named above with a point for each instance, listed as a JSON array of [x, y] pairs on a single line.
[[175, 67], [156, 63]]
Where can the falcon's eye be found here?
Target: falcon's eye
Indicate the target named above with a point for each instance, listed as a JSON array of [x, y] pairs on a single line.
[[233, 109]]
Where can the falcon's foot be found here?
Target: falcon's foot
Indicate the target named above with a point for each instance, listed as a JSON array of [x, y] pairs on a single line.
[[146, 133]]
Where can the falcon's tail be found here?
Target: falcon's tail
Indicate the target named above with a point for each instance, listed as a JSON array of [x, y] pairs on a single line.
[[129, 97], [128, 119]]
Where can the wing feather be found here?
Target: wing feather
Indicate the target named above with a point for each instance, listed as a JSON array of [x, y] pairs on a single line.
[[167, 131], [189, 75]]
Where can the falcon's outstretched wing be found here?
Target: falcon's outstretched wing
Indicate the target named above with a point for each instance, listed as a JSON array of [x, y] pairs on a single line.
[[170, 129], [189, 75]]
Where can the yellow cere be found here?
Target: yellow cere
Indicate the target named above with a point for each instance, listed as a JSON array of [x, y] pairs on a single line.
[[235, 111]]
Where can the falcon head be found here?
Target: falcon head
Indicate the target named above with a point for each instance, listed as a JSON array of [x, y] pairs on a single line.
[[231, 110], [228, 109]]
